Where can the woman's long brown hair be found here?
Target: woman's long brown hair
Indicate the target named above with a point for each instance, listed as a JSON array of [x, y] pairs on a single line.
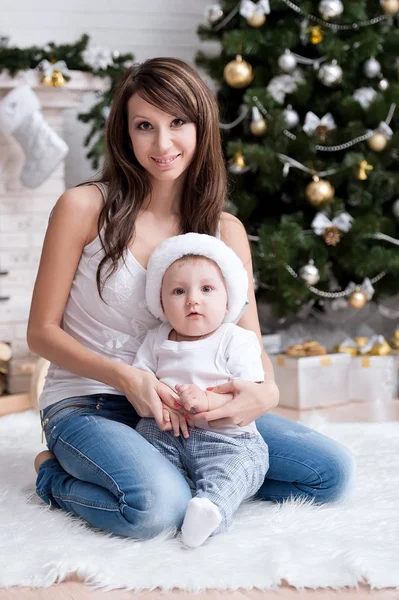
[[171, 83]]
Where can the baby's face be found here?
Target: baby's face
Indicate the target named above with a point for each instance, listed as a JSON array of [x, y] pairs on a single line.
[[194, 296]]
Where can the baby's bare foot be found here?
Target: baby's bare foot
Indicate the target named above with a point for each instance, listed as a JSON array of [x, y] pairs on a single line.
[[41, 457]]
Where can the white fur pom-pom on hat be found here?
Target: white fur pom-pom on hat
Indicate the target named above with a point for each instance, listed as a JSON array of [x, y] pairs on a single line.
[[200, 244]]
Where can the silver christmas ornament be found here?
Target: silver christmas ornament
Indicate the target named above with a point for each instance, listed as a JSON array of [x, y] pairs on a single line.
[[213, 13], [291, 117], [331, 8], [287, 62], [330, 74], [310, 273], [371, 68], [383, 84], [395, 208]]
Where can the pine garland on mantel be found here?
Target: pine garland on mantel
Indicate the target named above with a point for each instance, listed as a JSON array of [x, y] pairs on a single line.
[[97, 61]]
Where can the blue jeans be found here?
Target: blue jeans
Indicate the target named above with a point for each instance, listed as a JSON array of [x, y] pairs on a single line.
[[109, 475]]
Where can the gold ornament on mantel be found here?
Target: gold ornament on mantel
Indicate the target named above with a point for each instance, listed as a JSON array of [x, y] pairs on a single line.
[[377, 142], [319, 192], [54, 74], [358, 298], [55, 80], [363, 168], [238, 73], [390, 7]]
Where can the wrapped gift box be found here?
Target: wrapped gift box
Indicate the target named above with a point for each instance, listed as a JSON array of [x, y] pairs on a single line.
[[373, 378], [312, 381]]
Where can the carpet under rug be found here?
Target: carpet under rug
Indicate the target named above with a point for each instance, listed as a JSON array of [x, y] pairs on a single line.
[[356, 540]]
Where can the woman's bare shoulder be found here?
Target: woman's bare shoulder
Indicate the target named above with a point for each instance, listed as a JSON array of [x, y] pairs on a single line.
[[230, 225], [86, 199], [79, 208], [233, 233]]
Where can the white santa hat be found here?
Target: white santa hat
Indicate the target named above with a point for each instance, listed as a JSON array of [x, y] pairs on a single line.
[[233, 271]]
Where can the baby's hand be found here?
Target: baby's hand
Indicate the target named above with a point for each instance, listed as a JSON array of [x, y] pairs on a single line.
[[192, 398]]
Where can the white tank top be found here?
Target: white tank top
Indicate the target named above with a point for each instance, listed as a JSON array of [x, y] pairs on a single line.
[[114, 328]]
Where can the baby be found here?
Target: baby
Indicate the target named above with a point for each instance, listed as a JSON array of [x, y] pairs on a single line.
[[198, 287]]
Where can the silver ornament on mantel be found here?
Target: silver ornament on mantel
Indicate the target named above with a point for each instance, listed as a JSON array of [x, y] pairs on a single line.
[[330, 8], [330, 74], [395, 208], [287, 62], [372, 68], [383, 84], [214, 13], [291, 117], [309, 273]]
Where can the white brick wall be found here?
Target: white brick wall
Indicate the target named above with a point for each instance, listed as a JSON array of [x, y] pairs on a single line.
[[146, 29]]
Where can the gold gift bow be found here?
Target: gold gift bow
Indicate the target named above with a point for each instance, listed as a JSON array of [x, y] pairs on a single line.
[[361, 345], [307, 348]]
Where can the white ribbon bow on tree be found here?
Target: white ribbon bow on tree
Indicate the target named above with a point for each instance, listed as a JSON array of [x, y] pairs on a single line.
[[248, 8], [48, 68], [312, 122], [343, 222]]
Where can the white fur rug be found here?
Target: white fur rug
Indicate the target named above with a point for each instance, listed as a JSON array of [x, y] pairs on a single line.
[[307, 546]]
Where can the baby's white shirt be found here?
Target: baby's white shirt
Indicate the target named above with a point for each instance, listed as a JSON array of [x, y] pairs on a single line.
[[231, 352]]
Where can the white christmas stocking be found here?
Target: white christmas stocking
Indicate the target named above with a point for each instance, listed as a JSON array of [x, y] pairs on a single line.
[[44, 149]]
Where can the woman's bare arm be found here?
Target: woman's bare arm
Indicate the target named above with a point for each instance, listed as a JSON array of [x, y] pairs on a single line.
[[234, 235], [72, 225]]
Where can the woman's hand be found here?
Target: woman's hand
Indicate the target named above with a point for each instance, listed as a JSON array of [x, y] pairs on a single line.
[[250, 401], [146, 394], [177, 421]]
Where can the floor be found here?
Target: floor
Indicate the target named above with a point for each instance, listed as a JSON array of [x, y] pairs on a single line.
[[350, 412]]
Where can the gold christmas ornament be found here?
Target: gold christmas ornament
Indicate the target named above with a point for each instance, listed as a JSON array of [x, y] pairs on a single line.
[[316, 35], [319, 192], [258, 127], [357, 299], [362, 171], [332, 236], [238, 73], [377, 142], [257, 19], [258, 124], [390, 7], [55, 80], [237, 163]]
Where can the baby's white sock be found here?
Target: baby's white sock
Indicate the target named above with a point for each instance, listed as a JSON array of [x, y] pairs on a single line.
[[202, 518]]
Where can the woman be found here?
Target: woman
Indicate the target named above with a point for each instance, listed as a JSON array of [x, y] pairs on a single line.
[[164, 174]]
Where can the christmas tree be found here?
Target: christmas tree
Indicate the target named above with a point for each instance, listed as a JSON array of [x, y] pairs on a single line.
[[309, 99]]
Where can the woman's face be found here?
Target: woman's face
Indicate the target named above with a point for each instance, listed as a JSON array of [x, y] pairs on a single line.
[[163, 144]]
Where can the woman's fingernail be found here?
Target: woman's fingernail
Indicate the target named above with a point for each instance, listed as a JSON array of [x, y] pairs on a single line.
[[210, 389], [177, 405], [187, 416]]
